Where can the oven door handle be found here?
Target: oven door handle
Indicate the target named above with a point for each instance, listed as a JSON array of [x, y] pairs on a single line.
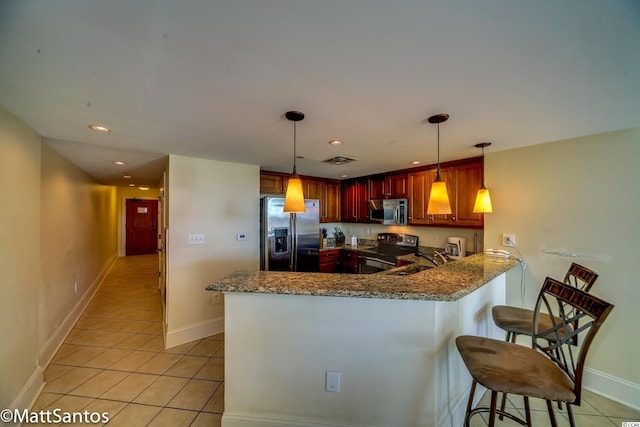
[[381, 261]]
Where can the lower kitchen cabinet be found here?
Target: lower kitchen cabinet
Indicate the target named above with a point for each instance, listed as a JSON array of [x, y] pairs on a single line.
[[330, 261], [350, 261]]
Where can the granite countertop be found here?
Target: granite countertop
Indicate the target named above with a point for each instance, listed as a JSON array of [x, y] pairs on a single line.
[[449, 282]]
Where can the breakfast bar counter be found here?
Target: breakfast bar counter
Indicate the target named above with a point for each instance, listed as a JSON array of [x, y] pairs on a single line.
[[449, 282], [390, 339]]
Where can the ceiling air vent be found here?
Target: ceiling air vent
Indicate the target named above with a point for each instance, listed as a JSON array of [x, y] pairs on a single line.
[[340, 160]]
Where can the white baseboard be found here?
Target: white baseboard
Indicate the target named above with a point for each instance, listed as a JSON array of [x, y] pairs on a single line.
[[30, 391], [194, 332], [614, 388], [51, 346], [245, 420]]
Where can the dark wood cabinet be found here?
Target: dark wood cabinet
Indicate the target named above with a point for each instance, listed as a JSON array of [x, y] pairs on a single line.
[[330, 261], [330, 201], [463, 182], [418, 197], [388, 186], [355, 196], [350, 261], [273, 183]]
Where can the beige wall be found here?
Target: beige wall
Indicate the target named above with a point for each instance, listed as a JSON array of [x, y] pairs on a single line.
[[78, 243], [578, 200], [19, 256], [58, 226], [124, 193], [219, 200]]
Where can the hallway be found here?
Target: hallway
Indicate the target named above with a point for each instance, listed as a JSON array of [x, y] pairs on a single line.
[[113, 359]]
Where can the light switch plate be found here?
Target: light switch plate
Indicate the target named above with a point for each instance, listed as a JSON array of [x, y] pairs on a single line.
[[196, 239]]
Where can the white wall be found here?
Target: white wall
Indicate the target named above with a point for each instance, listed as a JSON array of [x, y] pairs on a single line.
[[578, 200], [219, 200], [20, 151]]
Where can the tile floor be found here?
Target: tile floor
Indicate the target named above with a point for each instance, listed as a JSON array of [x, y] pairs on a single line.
[[595, 411], [113, 360]]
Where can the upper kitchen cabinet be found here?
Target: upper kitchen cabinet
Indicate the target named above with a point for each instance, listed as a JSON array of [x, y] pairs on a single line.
[[311, 188], [463, 182], [330, 201], [388, 186], [418, 197], [273, 183], [355, 197]]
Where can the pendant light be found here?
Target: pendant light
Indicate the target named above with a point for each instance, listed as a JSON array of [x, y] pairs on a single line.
[[483, 199], [439, 198], [294, 198]]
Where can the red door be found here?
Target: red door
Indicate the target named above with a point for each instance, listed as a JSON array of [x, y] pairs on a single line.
[[142, 227]]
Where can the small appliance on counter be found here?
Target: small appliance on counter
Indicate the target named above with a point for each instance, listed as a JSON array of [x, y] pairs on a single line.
[[456, 248]]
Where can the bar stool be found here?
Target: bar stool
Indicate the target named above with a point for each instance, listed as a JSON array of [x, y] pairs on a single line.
[[552, 369], [519, 321]]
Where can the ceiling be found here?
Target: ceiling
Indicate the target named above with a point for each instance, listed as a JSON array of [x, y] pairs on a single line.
[[213, 79]]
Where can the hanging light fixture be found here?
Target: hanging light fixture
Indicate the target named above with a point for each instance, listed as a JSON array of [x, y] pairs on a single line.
[[483, 199], [439, 198], [294, 198]]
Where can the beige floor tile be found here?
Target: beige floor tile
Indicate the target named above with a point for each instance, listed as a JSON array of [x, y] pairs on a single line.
[[107, 358], [137, 326], [618, 421], [610, 408], [216, 403], [183, 349], [206, 348], [161, 391], [133, 361], [205, 419], [156, 343], [159, 364], [187, 366], [217, 337], [154, 328], [99, 384], [194, 395], [45, 399], [70, 380], [54, 371], [212, 370], [109, 407], [134, 415], [65, 350], [82, 355], [69, 403], [134, 342], [173, 417], [130, 387]]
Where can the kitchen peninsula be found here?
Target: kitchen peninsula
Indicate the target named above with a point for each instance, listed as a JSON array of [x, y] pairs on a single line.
[[390, 337]]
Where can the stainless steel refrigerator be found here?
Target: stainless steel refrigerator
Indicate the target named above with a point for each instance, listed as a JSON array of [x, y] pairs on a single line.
[[276, 241]]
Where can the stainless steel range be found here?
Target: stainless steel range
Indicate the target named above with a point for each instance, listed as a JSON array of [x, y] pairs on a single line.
[[390, 246]]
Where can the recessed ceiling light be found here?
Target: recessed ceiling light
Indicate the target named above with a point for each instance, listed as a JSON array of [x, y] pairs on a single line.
[[99, 128], [132, 185], [126, 176], [344, 176], [119, 163], [415, 162], [143, 188], [335, 142]]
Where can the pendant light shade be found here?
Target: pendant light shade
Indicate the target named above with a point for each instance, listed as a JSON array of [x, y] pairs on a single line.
[[439, 197], [294, 198], [483, 199]]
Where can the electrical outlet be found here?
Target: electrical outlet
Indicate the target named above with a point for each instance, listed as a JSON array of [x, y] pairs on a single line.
[[332, 381], [508, 240], [196, 239], [241, 236], [215, 297]]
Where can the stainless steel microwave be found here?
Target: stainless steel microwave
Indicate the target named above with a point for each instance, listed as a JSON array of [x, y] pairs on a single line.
[[389, 211]]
